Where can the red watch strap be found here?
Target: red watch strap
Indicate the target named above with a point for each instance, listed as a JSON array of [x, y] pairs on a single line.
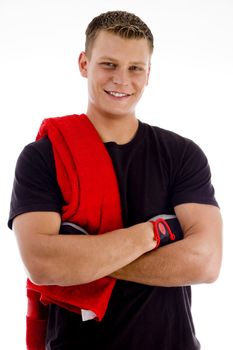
[[161, 229]]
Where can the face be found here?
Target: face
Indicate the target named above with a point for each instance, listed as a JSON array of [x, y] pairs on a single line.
[[117, 71]]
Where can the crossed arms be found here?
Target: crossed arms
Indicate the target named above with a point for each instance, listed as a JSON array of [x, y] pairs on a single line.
[[127, 254]]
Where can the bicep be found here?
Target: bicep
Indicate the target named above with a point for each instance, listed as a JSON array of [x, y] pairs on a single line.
[[202, 228], [200, 218], [30, 228], [37, 222]]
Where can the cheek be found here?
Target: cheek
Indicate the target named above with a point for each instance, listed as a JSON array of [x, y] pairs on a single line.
[[98, 79], [95, 87], [140, 82]]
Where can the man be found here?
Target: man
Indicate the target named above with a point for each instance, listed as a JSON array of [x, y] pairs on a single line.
[[158, 172]]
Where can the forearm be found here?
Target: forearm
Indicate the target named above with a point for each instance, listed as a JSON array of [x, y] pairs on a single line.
[[77, 259], [81, 259], [195, 259], [178, 264]]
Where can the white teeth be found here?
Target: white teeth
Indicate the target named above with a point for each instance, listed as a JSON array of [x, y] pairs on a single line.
[[117, 94]]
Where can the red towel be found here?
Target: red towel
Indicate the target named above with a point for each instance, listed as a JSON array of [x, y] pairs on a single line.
[[87, 180]]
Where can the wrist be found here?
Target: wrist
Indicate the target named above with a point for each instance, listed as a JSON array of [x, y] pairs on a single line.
[[162, 232], [143, 236]]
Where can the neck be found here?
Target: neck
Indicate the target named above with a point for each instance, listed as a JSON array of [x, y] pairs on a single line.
[[117, 129]]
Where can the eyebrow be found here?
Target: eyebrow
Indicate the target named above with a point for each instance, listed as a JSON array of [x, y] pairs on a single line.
[[107, 58]]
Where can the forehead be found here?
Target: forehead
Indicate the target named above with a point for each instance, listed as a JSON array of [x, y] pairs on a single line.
[[109, 44]]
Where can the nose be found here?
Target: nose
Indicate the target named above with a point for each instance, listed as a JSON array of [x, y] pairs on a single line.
[[120, 77]]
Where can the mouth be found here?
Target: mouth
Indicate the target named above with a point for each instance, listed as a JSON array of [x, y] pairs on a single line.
[[117, 94]]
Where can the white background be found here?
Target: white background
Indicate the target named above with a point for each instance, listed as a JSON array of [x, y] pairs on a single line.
[[190, 92]]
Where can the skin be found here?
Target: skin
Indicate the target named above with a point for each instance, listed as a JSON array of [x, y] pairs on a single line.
[[117, 71], [115, 65]]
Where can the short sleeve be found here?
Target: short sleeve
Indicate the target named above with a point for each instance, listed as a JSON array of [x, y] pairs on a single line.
[[35, 187], [192, 178]]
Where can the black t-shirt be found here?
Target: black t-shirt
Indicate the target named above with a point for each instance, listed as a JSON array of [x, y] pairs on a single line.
[[156, 171]]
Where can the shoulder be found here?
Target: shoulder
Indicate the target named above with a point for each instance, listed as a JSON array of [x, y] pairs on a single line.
[[168, 137], [37, 154], [42, 147], [172, 144], [188, 168]]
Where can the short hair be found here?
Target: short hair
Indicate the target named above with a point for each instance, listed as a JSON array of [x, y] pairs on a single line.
[[122, 23]]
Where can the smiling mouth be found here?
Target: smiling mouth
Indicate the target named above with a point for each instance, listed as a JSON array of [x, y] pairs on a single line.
[[117, 94]]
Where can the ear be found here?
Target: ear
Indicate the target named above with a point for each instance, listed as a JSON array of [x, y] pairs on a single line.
[[83, 63]]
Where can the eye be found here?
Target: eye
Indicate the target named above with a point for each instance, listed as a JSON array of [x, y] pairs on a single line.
[[108, 65], [135, 68]]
